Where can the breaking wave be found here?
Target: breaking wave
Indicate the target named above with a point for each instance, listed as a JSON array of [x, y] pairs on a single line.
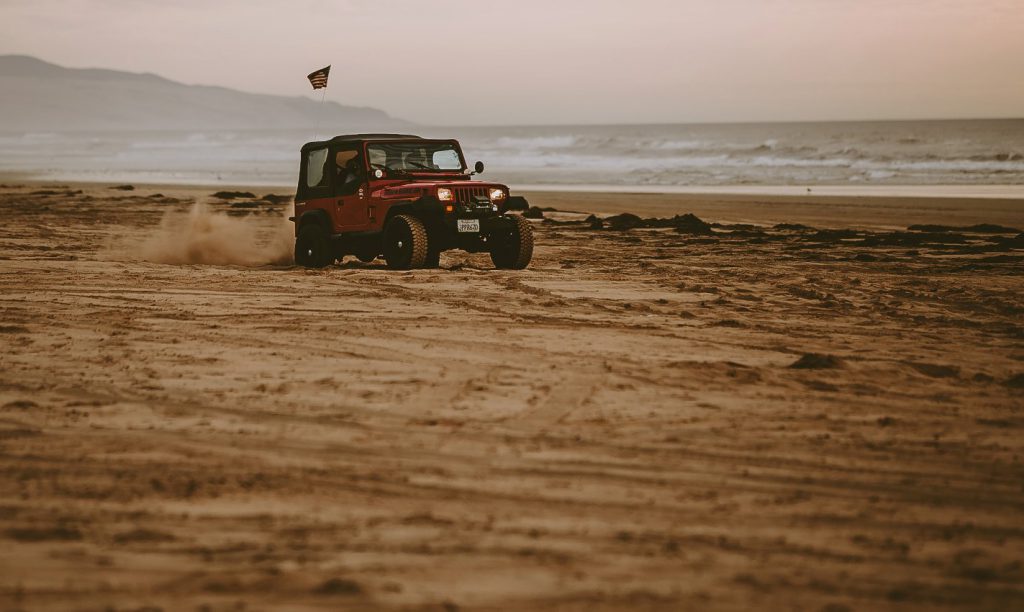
[[885, 153]]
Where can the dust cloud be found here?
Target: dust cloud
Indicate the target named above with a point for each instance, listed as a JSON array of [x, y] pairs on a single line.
[[203, 236]]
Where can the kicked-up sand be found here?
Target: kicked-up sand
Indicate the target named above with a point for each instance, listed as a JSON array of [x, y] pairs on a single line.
[[804, 406]]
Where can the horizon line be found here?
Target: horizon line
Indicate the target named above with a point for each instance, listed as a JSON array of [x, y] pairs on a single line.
[[413, 123]]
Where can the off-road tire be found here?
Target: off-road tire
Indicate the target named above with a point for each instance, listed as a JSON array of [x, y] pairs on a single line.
[[512, 249], [405, 243], [312, 247]]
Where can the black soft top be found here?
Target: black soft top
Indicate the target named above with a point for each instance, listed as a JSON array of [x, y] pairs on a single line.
[[319, 144]]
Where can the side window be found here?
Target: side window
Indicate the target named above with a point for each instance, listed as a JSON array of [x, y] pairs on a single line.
[[350, 170], [315, 175]]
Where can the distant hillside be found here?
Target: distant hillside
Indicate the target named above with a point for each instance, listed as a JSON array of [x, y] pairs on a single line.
[[36, 95]]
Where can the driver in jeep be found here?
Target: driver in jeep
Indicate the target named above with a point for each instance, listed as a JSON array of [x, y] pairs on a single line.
[[349, 165]]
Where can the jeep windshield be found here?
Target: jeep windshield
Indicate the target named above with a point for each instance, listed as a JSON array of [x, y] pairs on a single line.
[[419, 156]]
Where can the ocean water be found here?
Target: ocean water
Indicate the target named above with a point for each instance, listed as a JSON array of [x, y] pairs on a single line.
[[842, 155]]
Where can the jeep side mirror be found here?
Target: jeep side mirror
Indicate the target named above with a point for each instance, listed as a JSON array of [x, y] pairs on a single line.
[[479, 167]]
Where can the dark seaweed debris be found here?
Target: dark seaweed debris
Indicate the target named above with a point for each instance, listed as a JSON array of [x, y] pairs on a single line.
[[231, 195], [684, 224], [50, 192], [623, 222], [816, 361]]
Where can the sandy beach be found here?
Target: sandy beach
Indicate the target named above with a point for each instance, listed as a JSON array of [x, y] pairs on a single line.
[[802, 403]]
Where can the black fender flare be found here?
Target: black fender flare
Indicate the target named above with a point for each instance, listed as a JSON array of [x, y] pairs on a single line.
[[427, 209], [318, 216], [517, 203]]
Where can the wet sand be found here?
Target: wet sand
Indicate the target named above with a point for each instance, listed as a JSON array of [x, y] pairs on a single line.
[[822, 415], [819, 211]]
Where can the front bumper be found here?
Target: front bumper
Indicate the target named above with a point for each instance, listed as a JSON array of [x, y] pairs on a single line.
[[492, 224]]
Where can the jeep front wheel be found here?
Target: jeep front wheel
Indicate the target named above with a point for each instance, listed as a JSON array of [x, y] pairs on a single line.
[[512, 247], [405, 243], [312, 248]]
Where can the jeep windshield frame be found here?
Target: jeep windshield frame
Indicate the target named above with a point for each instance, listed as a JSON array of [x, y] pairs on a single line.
[[418, 156]]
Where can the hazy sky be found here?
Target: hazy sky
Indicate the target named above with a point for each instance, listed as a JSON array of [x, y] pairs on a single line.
[[563, 61]]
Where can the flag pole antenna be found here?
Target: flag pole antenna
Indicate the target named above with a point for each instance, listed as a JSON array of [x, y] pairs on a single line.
[[319, 114], [318, 80]]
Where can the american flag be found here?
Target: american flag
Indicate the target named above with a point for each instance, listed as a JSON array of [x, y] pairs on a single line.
[[318, 79]]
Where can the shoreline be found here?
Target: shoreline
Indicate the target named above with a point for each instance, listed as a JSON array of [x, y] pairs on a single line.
[[968, 191], [818, 210]]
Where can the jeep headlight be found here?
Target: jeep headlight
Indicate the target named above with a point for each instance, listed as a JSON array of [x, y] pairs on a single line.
[[496, 195], [445, 195]]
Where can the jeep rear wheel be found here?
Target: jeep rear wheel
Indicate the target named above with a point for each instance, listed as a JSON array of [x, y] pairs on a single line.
[[312, 248], [512, 247], [405, 243]]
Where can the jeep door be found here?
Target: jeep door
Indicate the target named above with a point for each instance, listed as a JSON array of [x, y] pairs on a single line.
[[350, 194]]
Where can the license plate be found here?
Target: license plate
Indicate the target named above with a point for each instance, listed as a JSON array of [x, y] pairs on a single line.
[[469, 225]]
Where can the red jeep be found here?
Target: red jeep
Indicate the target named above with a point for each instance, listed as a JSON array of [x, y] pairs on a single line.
[[404, 197]]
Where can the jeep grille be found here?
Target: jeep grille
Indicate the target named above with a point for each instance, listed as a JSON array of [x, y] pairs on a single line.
[[465, 195]]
